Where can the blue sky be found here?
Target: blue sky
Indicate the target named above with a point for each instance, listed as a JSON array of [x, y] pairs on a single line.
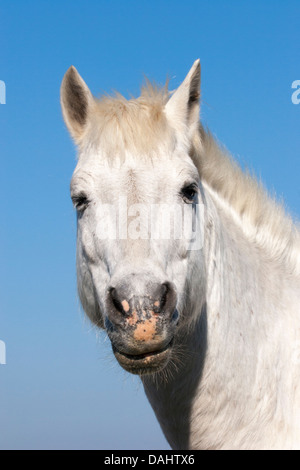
[[61, 388]]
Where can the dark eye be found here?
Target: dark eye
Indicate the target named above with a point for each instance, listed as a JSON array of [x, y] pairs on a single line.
[[188, 193], [80, 202]]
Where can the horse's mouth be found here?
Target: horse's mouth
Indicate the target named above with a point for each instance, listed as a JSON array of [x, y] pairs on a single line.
[[145, 363]]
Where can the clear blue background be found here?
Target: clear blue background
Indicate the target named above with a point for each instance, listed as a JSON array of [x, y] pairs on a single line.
[[61, 388]]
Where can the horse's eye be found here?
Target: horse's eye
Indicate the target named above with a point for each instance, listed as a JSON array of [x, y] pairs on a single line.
[[80, 202], [188, 193]]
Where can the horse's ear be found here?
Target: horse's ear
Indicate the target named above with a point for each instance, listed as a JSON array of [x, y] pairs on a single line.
[[76, 102], [184, 105]]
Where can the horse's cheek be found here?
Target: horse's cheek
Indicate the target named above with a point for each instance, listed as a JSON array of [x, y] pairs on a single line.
[[87, 296], [86, 288], [86, 245]]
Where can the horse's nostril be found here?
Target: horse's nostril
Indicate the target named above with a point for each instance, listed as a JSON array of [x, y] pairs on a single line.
[[163, 300], [116, 301], [124, 304]]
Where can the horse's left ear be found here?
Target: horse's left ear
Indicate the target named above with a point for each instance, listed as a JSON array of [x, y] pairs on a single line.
[[76, 102], [184, 105]]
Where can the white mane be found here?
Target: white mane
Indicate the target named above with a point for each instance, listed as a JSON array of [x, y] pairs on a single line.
[[262, 218]]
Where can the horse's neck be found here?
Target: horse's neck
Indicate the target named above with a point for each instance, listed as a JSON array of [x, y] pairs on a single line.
[[246, 290], [234, 270], [235, 357], [252, 334]]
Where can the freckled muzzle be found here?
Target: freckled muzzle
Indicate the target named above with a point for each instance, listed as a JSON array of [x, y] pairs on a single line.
[[142, 327]]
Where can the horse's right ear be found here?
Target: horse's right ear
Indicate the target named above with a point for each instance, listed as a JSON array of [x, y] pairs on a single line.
[[76, 102], [184, 105]]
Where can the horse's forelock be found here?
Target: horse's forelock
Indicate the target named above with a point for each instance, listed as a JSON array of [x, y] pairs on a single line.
[[138, 125]]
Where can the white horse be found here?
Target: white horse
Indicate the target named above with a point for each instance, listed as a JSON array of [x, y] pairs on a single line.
[[213, 330]]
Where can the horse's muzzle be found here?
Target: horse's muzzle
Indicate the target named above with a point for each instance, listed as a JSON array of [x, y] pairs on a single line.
[[142, 327]]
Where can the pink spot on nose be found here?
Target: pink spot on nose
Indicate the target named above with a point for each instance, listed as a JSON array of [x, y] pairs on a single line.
[[125, 306], [145, 331]]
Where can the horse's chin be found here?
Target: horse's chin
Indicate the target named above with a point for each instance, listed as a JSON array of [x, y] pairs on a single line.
[[142, 364]]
